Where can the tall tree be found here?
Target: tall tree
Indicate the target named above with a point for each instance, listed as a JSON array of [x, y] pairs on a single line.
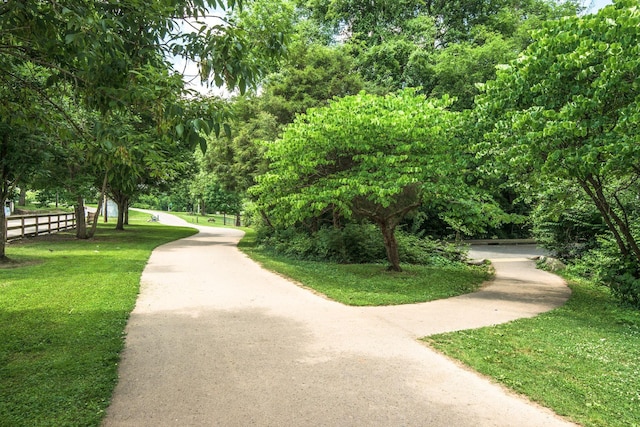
[[314, 75], [364, 155], [311, 77], [236, 160], [568, 109], [24, 144], [114, 57], [440, 46]]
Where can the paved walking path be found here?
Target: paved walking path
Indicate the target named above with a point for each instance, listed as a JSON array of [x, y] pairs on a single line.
[[215, 340]]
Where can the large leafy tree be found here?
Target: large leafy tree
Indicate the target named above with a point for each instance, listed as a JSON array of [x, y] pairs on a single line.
[[370, 21], [362, 156], [103, 46], [236, 160], [25, 127], [374, 22], [440, 46], [116, 54], [458, 68], [313, 75], [567, 111], [70, 166], [113, 57]]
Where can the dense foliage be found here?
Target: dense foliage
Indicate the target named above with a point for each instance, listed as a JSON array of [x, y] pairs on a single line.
[[357, 244], [92, 83], [565, 115], [364, 156]]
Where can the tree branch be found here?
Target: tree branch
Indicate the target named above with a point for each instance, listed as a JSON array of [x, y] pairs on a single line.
[[50, 101]]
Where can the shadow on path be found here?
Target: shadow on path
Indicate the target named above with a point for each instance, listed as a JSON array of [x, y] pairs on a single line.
[[215, 340]]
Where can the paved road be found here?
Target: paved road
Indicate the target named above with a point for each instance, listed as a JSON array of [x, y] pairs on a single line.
[[215, 340]]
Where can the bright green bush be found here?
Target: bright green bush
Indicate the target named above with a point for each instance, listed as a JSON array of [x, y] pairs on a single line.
[[604, 265], [424, 251], [356, 244], [566, 224]]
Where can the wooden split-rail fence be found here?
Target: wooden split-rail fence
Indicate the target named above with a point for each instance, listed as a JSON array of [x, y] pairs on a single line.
[[20, 226]]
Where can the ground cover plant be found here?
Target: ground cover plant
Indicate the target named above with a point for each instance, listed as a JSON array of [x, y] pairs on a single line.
[[371, 284], [581, 360], [64, 304]]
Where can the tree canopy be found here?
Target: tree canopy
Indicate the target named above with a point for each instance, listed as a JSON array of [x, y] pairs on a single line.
[[101, 63], [567, 110], [368, 156]]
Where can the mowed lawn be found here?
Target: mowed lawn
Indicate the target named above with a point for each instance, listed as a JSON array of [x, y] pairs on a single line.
[[371, 284], [64, 304], [582, 360]]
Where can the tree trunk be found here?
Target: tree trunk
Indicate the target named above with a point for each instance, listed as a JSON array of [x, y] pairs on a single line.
[[238, 222], [126, 214], [123, 204], [81, 223], [266, 219], [22, 200], [620, 230], [335, 218], [5, 189], [103, 190], [3, 229], [105, 200], [390, 245]]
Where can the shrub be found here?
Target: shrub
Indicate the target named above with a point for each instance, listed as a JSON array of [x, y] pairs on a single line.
[[569, 234], [604, 265], [424, 251], [356, 244], [353, 244]]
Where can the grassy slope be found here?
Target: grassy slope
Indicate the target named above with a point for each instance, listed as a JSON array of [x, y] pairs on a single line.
[[581, 360], [62, 316], [211, 220], [371, 284]]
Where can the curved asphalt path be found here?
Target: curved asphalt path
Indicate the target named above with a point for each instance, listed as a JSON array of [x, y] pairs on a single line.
[[215, 340]]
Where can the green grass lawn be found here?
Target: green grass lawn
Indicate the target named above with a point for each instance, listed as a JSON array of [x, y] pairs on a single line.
[[581, 360], [371, 284], [64, 304], [212, 220]]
